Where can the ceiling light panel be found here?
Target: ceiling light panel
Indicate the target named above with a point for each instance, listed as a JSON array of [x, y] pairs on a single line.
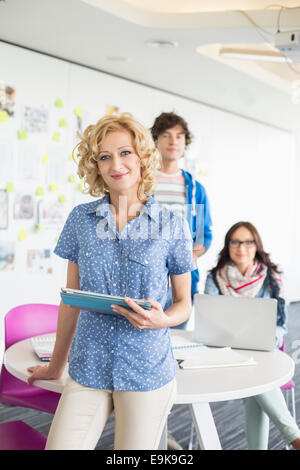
[[193, 6]]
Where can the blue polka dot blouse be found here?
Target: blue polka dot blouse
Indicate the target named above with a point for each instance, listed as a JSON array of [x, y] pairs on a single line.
[[107, 352]]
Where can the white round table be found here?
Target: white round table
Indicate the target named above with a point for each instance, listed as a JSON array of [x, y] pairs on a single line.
[[195, 387]]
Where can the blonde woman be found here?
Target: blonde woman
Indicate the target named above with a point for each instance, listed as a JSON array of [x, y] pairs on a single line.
[[122, 244]]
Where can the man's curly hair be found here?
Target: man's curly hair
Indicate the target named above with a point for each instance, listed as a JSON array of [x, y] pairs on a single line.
[[168, 120]]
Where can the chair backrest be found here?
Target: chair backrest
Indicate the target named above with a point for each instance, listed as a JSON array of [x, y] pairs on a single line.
[[28, 320]]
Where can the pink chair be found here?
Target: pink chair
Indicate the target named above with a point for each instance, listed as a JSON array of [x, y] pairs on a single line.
[[22, 322], [17, 435]]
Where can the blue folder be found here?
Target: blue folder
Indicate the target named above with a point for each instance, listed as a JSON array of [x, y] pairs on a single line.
[[97, 302]]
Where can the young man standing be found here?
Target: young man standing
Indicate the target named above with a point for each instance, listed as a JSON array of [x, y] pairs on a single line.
[[177, 189]]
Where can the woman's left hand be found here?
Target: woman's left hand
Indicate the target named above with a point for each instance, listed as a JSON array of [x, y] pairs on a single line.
[[143, 319]]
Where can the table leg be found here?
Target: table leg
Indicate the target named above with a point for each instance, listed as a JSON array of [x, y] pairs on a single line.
[[205, 426], [163, 444]]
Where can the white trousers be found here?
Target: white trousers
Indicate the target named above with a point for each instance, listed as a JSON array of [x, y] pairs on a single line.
[[82, 413]]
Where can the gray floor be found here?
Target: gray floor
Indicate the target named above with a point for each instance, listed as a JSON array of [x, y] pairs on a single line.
[[229, 416]]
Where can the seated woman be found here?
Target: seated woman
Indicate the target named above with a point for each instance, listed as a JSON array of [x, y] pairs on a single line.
[[245, 269]]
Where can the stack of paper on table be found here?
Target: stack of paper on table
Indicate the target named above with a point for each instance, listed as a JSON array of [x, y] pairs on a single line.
[[43, 346], [191, 355]]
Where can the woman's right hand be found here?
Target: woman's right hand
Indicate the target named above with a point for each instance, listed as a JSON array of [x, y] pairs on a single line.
[[41, 373]]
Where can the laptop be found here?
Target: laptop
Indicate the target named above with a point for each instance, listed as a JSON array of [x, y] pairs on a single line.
[[238, 322]]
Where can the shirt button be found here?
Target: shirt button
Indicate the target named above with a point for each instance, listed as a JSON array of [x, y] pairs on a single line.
[[116, 262], [112, 327], [112, 351], [146, 262], [114, 284], [87, 254]]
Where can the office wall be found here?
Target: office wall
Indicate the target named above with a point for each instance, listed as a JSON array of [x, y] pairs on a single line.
[[247, 168]]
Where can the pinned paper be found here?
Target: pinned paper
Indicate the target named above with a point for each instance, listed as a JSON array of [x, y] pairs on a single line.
[[59, 102], [53, 187], [9, 187], [39, 228], [22, 235], [71, 178], [45, 158], [62, 123], [56, 136], [3, 116], [78, 111], [39, 191], [22, 134], [112, 109], [62, 198]]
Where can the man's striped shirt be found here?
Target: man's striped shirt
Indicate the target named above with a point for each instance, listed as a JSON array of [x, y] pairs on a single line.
[[170, 191]]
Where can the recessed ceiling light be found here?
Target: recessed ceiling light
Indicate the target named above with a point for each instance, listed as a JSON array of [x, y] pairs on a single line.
[[117, 58], [161, 43]]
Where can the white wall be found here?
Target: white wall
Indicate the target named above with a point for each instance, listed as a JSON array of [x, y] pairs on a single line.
[[248, 169]]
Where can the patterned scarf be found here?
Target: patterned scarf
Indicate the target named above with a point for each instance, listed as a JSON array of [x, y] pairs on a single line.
[[232, 282]]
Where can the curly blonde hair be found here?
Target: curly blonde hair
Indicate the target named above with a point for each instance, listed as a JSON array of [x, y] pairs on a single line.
[[88, 150]]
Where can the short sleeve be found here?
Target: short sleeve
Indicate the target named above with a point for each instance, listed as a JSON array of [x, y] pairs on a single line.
[[180, 256], [67, 245]]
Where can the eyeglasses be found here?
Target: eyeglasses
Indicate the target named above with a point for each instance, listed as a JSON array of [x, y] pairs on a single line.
[[238, 243]]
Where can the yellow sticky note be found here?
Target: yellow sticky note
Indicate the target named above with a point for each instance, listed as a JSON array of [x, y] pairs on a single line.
[[9, 187], [45, 158], [53, 187], [62, 198], [3, 116], [22, 134], [71, 178], [80, 187], [78, 111], [59, 102], [73, 157], [56, 136], [39, 191], [22, 235], [62, 123]]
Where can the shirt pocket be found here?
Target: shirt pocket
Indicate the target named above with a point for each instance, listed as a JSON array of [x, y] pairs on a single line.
[[146, 271]]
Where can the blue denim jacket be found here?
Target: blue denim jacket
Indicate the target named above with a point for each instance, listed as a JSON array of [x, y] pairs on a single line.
[[198, 217], [212, 288]]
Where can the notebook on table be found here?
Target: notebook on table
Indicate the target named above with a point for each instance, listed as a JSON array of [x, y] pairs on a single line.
[[191, 354], [43, 346]]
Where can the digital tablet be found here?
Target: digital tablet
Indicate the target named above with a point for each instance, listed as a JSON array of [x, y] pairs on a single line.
[[97, 302]]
